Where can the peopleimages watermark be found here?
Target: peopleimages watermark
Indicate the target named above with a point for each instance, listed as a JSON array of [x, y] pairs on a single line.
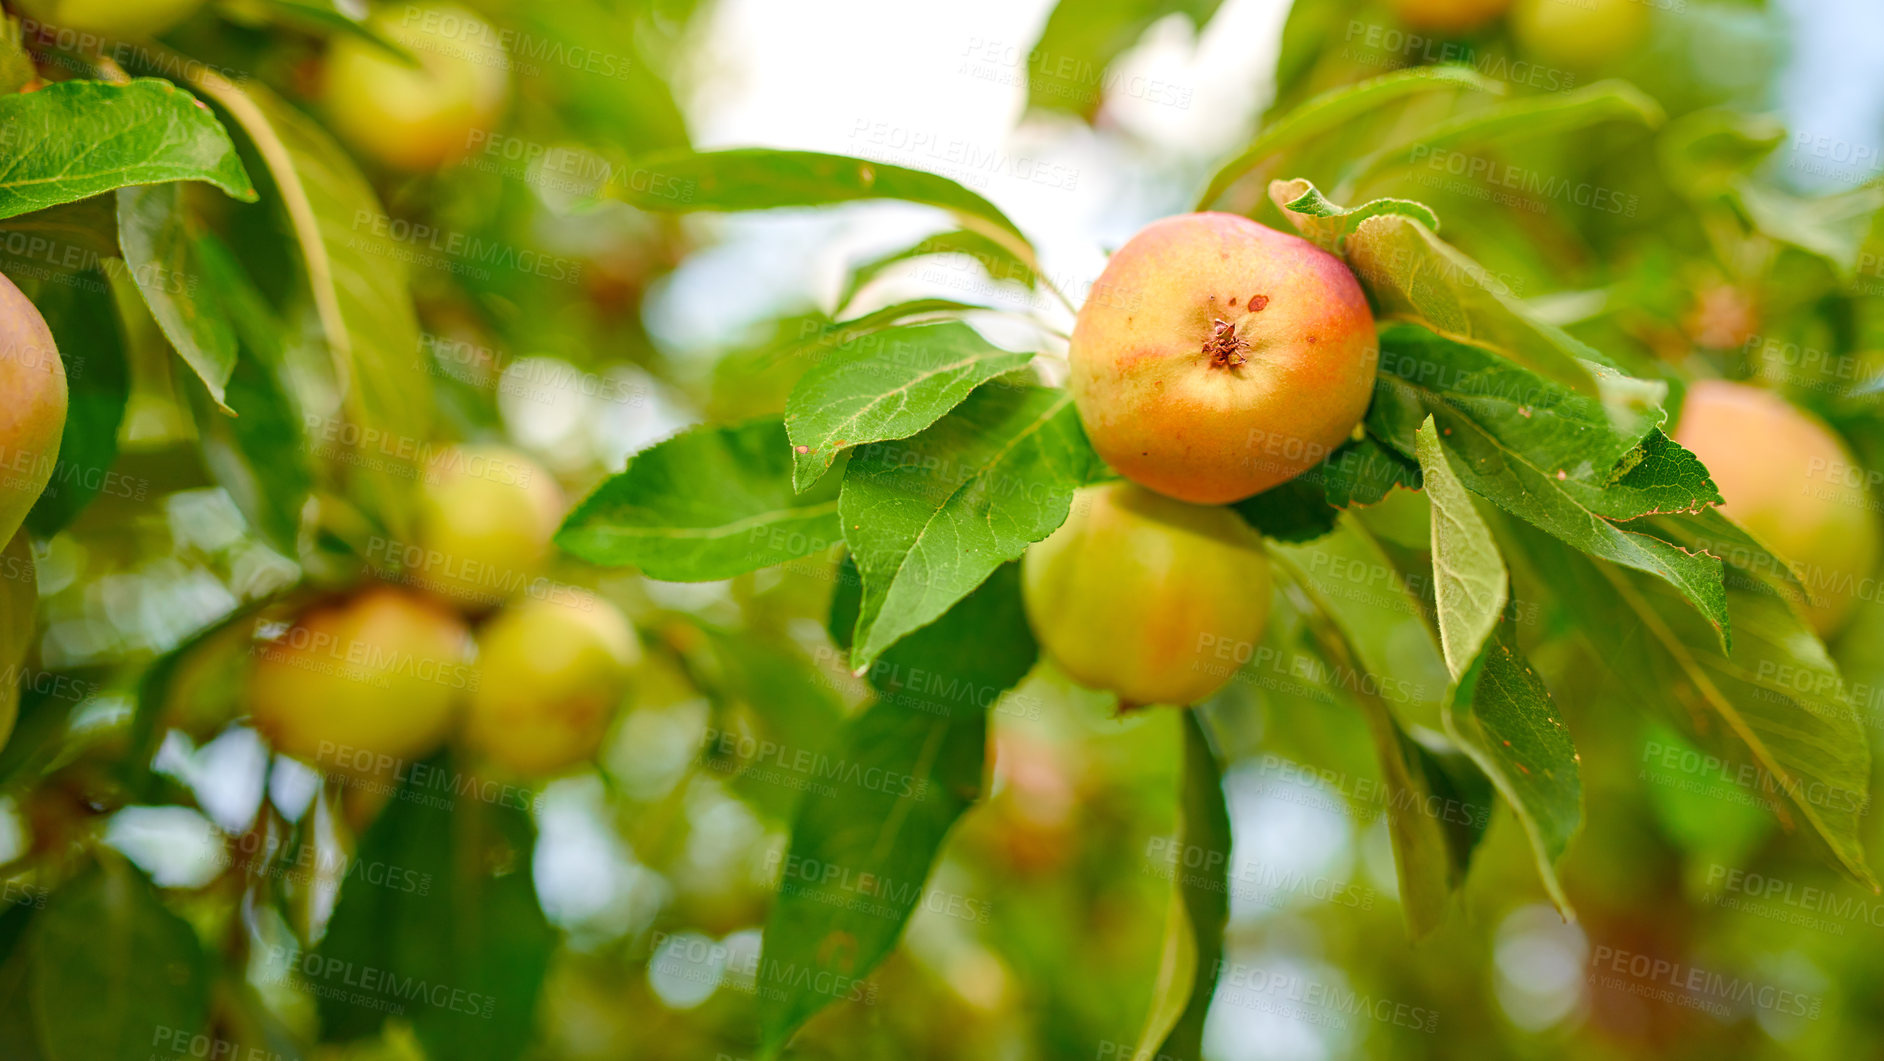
[[803, 768], [1504, 182], [864, 892], [1748, 784], [511, 49], [369, 987], [189, 1044], [1315, 1001], [1065, 77], [569, 170], [1692, 986], [258, 856], [692, 957], [419, 782], [1308, 786], [1376, 44], [964, 160], [1788, 902], [537, 379], [437, 571], [423, 244], [1199, 866]]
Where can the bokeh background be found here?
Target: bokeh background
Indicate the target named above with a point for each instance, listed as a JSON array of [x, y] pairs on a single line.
[[1041, 929]]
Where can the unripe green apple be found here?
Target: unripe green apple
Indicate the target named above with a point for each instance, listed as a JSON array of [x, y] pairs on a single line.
[[418, 118], [1450, 16], [1216, 358], [486, 516], [361, 685], [550, 675], [1153, 599], [1789, 479], [32, 407], [1579, 33], [115, 18]]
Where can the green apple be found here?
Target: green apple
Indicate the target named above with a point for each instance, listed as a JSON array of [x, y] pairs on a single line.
[[1151, 598], [114, 18], [486, 516], [362, 685], [550, 674], [418, 118]]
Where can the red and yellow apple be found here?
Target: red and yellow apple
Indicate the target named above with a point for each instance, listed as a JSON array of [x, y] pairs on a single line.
[[1216, 358], [1151, 598], [32, 407], [1788, 479]]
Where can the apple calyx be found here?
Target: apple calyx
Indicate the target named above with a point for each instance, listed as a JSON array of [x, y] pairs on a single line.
[[1224, 347]]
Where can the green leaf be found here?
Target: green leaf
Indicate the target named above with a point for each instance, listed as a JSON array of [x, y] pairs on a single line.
[[1777, 697], [763, 179], [1831, 226], [1379, 613], [1502, 715], [84, 320], [258, 454], [160, 251], [998, 260], [109, 964], [1411, 274], [1470, 586], [455, 914], [19, 611], [1546, 456], [709, 503], [860, 332], [1428, 859], [893, 388], [158, 687], [1295, 511], [1508, 479], [1066, 67], [362, 296], [75, 139], [1334, 109], [904, 771], [1362, 472], [928, 518], [1203, 895], [1526, 116]]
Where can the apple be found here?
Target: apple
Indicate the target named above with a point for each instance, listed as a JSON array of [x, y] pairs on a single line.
[[32, 415], [1579, 33], [550, 675], [1788, 479], [486, 516], [1151, 598], [1450, 16], [361, 685], [1216, 358], [114, 18], [418, 118]]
